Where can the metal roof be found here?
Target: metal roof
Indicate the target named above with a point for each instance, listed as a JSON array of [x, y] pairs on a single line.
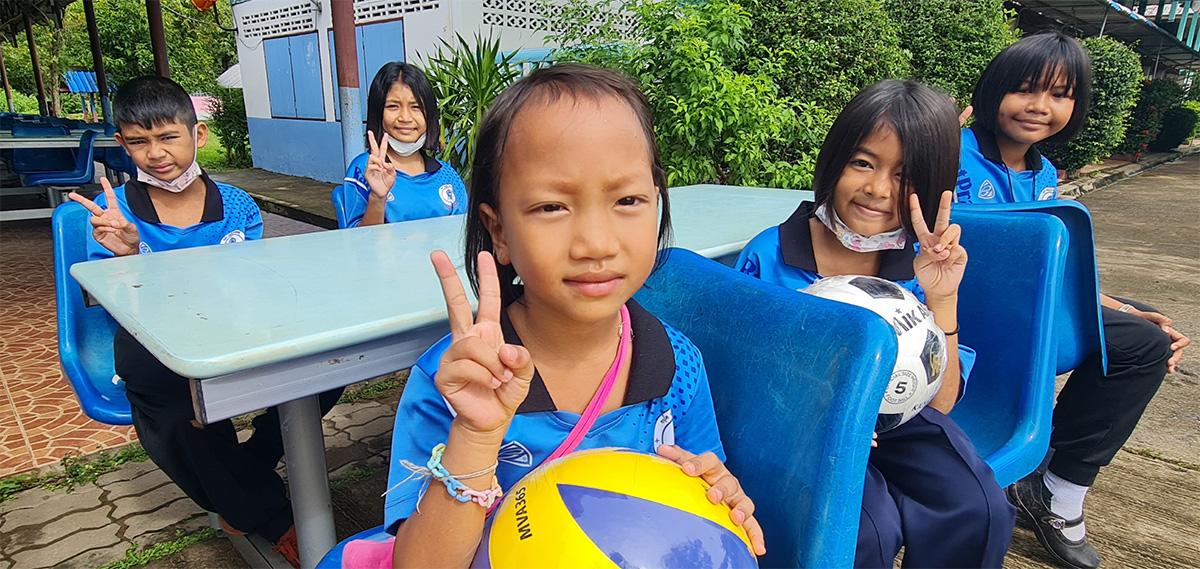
[[82, 82], [1166, 31], [12, 12]]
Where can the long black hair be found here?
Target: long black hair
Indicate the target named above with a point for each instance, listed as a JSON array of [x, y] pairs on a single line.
[[546, 85], [412, 76], [925, 122], [1036, 60]]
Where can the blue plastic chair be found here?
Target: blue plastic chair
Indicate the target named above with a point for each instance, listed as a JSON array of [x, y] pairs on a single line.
[[85, 334], [84, 171], [116, 158], [802, 372], [338, 196], [1078, 328], [1007, 308]]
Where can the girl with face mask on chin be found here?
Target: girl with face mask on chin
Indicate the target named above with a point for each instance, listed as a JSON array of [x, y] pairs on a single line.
[[398, 178]]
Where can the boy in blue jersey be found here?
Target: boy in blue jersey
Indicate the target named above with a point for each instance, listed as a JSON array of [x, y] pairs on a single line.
[[173, 204], [1038, 90]]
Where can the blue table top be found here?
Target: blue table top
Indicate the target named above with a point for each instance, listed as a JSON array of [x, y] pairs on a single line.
[[210, 311]]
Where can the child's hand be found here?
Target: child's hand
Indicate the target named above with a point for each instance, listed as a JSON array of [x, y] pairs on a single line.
[[381, 173], [941, 262], [482, 378], [723, 488], [109, 226], [1178, 340]]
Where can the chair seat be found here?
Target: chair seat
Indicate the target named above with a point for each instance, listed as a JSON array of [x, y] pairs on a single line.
[[59, 178]]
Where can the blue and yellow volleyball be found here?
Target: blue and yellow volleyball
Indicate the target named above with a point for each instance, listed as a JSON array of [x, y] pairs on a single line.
[[612, 508]]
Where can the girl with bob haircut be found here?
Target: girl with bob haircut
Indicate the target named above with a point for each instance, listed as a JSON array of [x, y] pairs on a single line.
[[1037, 90], [882, 181], [400, 177]]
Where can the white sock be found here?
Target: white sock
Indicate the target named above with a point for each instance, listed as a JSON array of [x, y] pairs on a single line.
[[1066, 500]]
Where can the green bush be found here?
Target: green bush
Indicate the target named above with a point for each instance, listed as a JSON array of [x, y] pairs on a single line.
[[713, 124], [466, 78], [229, 121], [1178, 125], [1116, 83], [1195, 106], [1157, 96], [824, 52], [25, 104], [951, 41]]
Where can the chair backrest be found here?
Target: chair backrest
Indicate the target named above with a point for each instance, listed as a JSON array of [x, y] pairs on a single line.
[[1078, 328], [31, 130], [1007, 308], [115, 158], [338, 196], [84, 160], [796, 382], [85, 334]]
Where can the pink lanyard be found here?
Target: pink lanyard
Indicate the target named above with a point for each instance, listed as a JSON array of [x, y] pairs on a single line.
[[592, 412]]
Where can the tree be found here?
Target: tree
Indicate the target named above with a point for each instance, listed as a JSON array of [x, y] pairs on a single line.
[[197, 48]]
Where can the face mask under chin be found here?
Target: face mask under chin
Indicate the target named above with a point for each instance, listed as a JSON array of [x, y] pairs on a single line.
[[895, 239]]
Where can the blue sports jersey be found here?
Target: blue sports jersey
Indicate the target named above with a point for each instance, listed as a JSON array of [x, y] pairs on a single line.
[[436, 192], [984, 178], [784, 255], [230, 215], [667, 401]]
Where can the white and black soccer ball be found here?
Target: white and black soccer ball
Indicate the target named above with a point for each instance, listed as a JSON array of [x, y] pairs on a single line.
[[921, 354]]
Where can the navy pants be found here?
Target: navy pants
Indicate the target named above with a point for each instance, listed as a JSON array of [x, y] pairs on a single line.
[[237, 481], [927, 490], [1096, 413]]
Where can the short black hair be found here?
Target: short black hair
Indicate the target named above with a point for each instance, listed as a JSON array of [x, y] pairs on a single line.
[[926, 123], [1036, 60], [411, 75], [150, 101], [548, 85]]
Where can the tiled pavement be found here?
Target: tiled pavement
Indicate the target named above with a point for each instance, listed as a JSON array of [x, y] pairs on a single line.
[[40, 419], [96, 523]]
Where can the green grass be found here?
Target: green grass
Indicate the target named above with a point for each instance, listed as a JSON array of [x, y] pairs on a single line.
[[135, 557], [75, 471], [212, 156], [375, 388]]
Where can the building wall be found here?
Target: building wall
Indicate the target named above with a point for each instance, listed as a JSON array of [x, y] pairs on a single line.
[[311, 146]]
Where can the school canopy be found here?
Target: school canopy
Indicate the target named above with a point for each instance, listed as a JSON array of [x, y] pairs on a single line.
[[1165, 32], [14, 12]]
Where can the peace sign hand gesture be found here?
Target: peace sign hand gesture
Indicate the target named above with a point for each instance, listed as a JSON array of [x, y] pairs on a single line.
[[942, 260], [482, 378], [381, 173], [109, 226]]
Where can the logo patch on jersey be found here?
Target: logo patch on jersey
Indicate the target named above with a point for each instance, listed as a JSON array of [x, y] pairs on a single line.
[[446, 192], [235, 236], [143, 248], [986, 190], [516, 454], [750, 267], [664, 430], [1047, 194], [391, 197]]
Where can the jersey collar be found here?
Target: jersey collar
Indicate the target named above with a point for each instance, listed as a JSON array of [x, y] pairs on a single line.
[[138, 198], [431, 163], [795, 244], [651, 370], [989, 149]]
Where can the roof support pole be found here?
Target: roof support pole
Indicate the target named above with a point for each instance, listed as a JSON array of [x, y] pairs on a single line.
[[89, 12], [7, 89], [1105, 21], [158, 42], [346, 55], [37, 68]]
